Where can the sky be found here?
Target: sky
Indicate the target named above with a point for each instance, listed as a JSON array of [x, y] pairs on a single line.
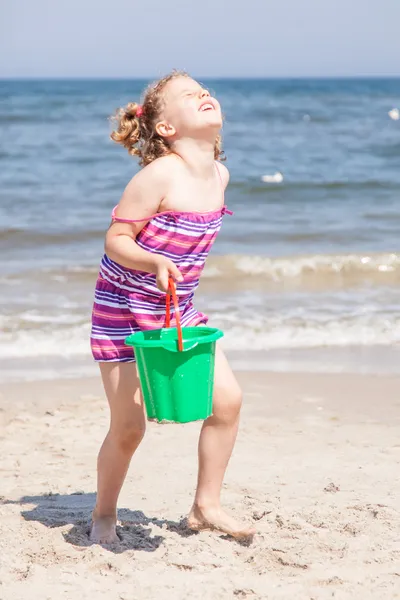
[[210, 38]]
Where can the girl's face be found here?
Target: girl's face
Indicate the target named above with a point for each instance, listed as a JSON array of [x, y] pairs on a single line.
[[189, 110]]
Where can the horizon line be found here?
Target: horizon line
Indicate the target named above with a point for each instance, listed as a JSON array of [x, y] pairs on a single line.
[[209, 77]]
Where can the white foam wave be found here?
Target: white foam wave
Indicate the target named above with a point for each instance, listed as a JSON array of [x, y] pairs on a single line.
[[320, 265], [323, 267], [60, 319], [360, 332], [275, 178], [68, 342], [241, 333]]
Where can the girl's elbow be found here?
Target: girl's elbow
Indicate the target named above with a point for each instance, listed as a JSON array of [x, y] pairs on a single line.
[[114, 245], [110, 245]]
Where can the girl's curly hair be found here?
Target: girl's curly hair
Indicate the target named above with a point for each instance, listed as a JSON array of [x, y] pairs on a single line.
[[136, 125]]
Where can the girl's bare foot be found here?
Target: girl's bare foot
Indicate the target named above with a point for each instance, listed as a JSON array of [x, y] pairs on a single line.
[[216, 519], [103, 530]]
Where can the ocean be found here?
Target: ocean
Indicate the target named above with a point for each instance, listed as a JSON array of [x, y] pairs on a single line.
[[305, 275]]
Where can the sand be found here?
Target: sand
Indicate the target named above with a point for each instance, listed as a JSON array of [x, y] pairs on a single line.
[[316, 468]]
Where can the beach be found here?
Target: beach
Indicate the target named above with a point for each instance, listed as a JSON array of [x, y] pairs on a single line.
[[304, 282], [316, 469]]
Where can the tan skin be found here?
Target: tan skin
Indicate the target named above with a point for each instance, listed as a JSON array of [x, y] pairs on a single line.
[[186, 180]]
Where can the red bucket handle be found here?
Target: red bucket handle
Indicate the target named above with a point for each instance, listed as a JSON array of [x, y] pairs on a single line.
[[172, 292]]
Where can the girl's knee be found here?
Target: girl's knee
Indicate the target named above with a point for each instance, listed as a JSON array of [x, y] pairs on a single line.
[[227, 404], [128, 435]]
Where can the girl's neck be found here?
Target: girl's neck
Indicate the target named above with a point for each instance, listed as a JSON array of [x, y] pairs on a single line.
[[198, 156]]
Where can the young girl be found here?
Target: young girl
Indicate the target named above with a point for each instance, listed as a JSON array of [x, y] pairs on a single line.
[[165, 224]]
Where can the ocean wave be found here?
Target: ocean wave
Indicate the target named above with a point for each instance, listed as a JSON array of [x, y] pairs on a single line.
[[22, 118], [26, 237], [232, 272], [242, 332], [321, 269], [387, 150], [59, 341], [53, 114], [276, 114], [311, 333], [254, 188]]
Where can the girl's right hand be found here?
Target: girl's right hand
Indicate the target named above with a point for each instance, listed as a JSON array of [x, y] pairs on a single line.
[[164, 269]]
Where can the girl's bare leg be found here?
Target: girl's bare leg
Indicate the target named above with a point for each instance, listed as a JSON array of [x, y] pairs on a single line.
[[216, 443], [127, 427]]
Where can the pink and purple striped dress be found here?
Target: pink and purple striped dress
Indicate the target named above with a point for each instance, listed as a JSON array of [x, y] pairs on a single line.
[[127, 301]]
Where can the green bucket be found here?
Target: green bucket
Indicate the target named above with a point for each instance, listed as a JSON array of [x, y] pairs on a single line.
[[176, 369]]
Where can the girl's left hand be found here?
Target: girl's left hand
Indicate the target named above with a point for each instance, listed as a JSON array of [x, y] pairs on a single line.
[[164, 269]]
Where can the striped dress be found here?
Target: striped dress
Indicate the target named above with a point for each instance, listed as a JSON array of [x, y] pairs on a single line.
[[127, 301]]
